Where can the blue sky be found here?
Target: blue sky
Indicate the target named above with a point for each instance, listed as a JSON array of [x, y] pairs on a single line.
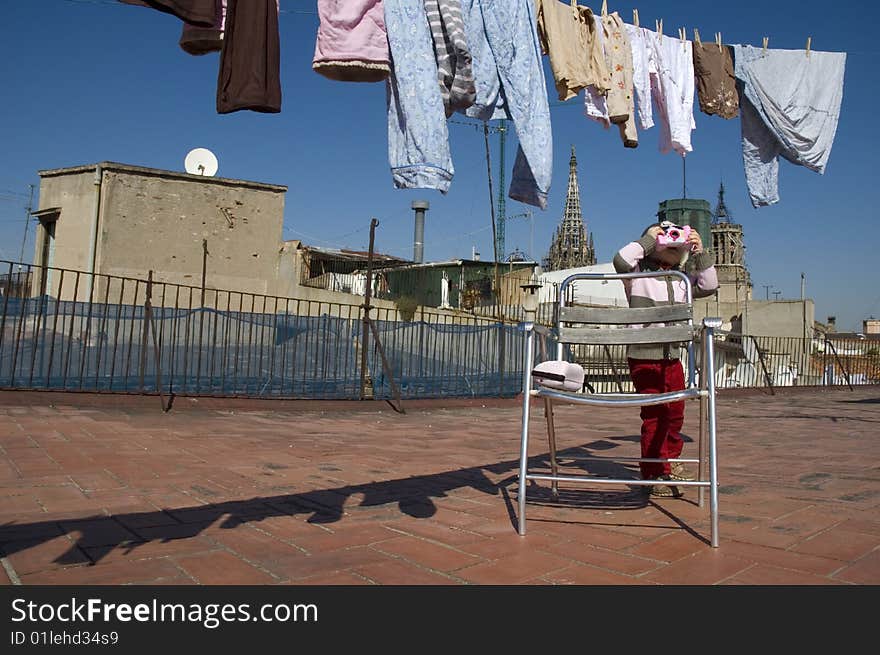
[[93, 80]]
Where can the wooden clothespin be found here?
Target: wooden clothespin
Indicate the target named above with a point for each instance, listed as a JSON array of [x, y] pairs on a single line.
[[604, 8], [658, 24], [697, 36], [809, 41], [636, 17], [766, 41], [682, 34], [718, 40]]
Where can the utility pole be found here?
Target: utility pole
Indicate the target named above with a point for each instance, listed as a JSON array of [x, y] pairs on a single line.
[[27, 220], [767, 288], [501, 219], [684, 193], [804, 307], [498, 207]]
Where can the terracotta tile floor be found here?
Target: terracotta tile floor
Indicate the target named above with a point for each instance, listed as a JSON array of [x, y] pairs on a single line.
[[109, 490]]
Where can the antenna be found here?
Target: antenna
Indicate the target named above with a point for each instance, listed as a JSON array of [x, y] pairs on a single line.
[[200, 161]]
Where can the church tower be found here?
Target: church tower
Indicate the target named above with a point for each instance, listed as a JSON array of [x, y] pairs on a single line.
[[727, 242], [571, 246]]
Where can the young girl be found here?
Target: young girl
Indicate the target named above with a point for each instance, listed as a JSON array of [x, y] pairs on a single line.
[[656, 368]]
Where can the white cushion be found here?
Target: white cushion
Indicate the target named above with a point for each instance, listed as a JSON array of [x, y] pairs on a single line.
[[558, 374]]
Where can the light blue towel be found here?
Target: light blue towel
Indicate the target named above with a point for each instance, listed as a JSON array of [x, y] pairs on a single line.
[[789, 106]]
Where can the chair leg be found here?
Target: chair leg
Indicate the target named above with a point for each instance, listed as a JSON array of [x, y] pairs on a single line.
[[551, 439], [701, 451], [523, 466], [713, 470], [524, 437]]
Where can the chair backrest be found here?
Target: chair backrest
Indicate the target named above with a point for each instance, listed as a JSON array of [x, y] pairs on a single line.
[[615, 326]]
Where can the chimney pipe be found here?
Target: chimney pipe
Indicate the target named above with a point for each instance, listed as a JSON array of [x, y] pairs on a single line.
[[420, 206]]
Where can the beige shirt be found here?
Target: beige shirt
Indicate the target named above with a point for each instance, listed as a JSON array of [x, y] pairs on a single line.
[[566, 33]]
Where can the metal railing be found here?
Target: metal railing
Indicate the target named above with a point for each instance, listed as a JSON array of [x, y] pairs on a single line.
[[68, 330], [75, 331], [746, 361]]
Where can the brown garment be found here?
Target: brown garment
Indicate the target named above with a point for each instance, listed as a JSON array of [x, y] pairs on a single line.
[[716, 83], [250, 61], [194, 12], [567, 35], [197, 40]]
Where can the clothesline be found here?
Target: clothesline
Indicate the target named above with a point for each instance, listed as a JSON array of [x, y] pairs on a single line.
[[486, 61], [307, 12]]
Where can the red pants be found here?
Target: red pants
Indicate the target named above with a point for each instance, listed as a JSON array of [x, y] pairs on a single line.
[[661, 424]]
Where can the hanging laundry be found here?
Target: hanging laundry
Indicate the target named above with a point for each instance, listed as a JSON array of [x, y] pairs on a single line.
[[567, 36], [197, 40], [672, 88], [454, 69], [716, 83], [250, 71], [418, 140], [509, 77], [642, 65], [351, 44], [596, 98], [620, 103], [789, 106], [195, 12]]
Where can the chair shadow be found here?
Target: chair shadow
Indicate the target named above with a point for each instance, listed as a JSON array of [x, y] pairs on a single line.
[[94, 537]]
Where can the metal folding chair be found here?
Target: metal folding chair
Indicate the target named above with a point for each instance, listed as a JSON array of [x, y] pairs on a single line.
[[607, 326]]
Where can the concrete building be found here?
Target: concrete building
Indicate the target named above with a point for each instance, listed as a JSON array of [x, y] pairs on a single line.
[[460, 284], [121, 220]]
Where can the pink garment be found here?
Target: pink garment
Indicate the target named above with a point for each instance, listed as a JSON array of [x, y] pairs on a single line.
[[352, 44]]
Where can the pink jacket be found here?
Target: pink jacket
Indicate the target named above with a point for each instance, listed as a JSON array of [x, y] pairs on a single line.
[[352, 45]]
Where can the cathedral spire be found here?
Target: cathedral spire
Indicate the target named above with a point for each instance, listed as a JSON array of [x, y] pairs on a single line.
[[573, 196], [572, 247], [722, 214]]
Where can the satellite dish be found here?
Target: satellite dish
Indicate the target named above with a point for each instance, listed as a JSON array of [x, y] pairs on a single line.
[[200, 161]]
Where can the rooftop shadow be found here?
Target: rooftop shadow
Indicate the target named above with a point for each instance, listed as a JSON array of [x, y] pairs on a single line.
[[97, 535]]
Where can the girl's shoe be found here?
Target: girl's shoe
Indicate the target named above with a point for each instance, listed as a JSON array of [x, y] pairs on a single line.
[[664, 490]]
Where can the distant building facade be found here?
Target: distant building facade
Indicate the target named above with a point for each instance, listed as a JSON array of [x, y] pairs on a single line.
[[122, 220]]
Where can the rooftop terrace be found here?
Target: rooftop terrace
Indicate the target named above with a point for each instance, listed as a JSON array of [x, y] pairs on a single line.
[[109, 490]]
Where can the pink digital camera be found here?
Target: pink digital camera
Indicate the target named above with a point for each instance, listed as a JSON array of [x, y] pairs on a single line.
[[673, 236]]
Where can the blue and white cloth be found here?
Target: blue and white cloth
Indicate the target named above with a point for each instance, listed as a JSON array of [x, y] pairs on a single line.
[[418, 139], [509, 74], [790, 106], [509, 80]]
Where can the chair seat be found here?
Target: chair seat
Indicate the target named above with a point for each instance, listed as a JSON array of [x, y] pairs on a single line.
[[624, 399]]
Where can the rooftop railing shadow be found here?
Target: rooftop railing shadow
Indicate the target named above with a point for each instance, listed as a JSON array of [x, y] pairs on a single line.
[[95, 536]]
